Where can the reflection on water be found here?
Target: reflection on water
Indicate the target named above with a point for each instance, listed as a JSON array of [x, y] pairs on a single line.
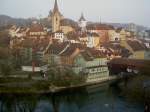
[[99, 98]]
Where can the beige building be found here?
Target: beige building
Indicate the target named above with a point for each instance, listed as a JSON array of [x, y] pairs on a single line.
[[36, 30]]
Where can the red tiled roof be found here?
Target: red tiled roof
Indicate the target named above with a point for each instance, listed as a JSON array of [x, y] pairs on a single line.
[[136, 45], [69, 51], [41, 46], [96, 53], [130, 62], [36, 28], [72, 48], [90, 54], [56, 48], [36, 44]]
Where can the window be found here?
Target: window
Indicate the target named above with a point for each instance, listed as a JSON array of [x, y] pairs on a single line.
[[116, 39], [93, 70], [56, 19]]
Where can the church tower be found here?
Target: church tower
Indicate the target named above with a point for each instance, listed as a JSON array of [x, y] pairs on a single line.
[[56, 18]]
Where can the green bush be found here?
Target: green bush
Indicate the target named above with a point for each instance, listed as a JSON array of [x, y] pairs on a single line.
[[64, 77]]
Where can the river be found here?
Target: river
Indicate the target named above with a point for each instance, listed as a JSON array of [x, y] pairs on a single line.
[[98, 98]]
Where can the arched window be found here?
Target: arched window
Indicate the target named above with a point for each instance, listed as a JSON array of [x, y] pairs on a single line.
[[56, 19]]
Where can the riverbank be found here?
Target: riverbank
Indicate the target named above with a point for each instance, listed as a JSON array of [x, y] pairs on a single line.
[[97, 98], [20, 86], [54, 89]]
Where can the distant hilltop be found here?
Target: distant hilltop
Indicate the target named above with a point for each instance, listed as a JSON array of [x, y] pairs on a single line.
[[127, 25], [7, 20]]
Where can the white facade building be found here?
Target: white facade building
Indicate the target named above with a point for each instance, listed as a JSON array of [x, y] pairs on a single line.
[[59, 36]]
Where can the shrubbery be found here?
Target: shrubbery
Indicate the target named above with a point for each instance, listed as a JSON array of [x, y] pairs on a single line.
[[65, 77]]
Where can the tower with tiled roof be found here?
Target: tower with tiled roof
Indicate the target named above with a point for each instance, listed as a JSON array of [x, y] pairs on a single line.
[[82, 22], [55, 18]]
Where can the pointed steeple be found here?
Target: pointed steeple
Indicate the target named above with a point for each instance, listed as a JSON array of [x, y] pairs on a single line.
[[50, 13], [82, 18], [55, 7]]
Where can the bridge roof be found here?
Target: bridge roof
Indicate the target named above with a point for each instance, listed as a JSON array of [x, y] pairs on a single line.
[[130, 62]]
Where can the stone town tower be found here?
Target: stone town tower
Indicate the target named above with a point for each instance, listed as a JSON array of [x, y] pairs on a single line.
[[82, 23]]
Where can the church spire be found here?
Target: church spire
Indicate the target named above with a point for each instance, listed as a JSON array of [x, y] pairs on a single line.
[[82, 18], [56, 7]]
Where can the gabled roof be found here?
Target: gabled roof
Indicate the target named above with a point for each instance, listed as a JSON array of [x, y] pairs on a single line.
[[56, 48], [116, 49], [71, 48], [42, 44], [96, 53], [136, 45], [131, 62], [90, 54], [69, 51], [36, 44], [35, 27]]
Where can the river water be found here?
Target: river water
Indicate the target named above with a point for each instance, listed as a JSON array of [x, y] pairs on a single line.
[[98, 98]]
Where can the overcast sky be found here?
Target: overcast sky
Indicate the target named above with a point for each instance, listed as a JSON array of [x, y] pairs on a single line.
[[123, 11]]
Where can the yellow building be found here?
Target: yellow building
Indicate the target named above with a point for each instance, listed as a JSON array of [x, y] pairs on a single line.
[[113, 35], [138, 49], [93, 40], [138, 55]]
